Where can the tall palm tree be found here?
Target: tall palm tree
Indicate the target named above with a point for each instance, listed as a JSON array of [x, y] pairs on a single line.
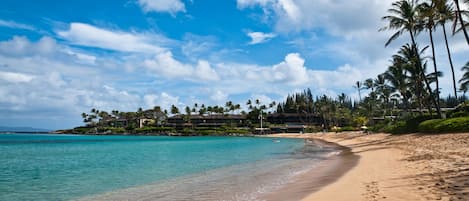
[[359, 87], [404, 18], [429, 15], [445, 14], [461, 21]]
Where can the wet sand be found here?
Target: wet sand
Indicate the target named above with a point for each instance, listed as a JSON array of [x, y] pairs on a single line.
[[406, 167], [326, 172]]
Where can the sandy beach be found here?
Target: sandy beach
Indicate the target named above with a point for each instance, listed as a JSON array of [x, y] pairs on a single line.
[[405, 167]]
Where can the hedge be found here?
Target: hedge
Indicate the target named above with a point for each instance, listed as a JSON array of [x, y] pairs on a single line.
[[452, 125], [410, 125], [429, 125]]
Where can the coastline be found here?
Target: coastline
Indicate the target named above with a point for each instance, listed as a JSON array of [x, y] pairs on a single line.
[[326, 172], [407, 167]]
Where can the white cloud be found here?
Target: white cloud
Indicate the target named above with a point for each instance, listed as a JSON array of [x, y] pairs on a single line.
[[170, 6], [166, 66], [250, 3], [291, 71], [15, 77], [219, 97], [21, 46], [204, 71], [82, 57], [260, 37], [15, 25], [338, 16], [291, 9], [92, 36], [164, 100]]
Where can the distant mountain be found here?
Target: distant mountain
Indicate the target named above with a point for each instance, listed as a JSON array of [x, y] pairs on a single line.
[[22, 129]]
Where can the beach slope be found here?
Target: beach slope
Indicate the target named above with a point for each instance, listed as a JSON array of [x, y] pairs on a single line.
[[407, 167]]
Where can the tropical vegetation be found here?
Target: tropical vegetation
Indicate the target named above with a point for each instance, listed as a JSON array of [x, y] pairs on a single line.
[[405, 98]]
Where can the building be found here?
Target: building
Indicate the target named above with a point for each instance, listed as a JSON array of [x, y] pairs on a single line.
[[216, 120], [294, 119]]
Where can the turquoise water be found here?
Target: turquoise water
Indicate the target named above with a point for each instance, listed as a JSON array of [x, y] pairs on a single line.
[[64, 167]]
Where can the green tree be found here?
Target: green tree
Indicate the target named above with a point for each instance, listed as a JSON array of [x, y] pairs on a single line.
[[444, 14], [174, 110], [459, 14], [396, 75], [464, 81], [369, 84], [428, 15], [188, 114], [404, 18], [359, 87]]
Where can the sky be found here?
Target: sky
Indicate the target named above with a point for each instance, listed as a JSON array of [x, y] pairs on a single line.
[[61, 58]]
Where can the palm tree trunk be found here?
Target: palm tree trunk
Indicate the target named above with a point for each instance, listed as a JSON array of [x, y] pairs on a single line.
[[463, 27], [359, 96], [450, 61], [434, 67], [423, 75]]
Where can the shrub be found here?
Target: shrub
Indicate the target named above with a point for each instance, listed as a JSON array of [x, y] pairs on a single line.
[[412, 124], [360, 121], [313, 129], [459, 114], [400, 127], [429, 125], [459, 124], [452, 125], [81, 130], [347, 128], [155, 130], [461, 109]]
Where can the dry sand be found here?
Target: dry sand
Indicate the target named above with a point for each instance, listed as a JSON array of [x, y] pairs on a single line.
[[406, 167]]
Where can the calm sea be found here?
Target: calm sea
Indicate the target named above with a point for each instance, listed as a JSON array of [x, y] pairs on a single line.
[[70, 167]]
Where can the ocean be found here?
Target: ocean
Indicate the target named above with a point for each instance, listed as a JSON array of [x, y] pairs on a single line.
[[77, 167]]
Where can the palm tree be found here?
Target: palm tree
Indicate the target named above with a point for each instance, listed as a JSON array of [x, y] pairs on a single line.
[[359, 87], [459, 16], [237, 107], [464, 81], [369, 84], [382, 91], [464, 89], [342, 98], [229, 106], [188, 114], [249, 104], [405, 19], [85, 117], [174, 110], [396, 75], [445, 14], [428, 15], [202, 109]]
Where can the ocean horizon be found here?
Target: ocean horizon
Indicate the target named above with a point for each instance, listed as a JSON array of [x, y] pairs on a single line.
[[78, 167]]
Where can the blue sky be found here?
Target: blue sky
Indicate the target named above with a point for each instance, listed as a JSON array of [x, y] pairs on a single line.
[[61, 58]]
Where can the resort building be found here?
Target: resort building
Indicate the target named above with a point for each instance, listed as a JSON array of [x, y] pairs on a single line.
[[216, 120]]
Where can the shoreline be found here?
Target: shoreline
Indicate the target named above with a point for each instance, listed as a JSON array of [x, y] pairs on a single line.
[[326, 172], [407, 167]]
